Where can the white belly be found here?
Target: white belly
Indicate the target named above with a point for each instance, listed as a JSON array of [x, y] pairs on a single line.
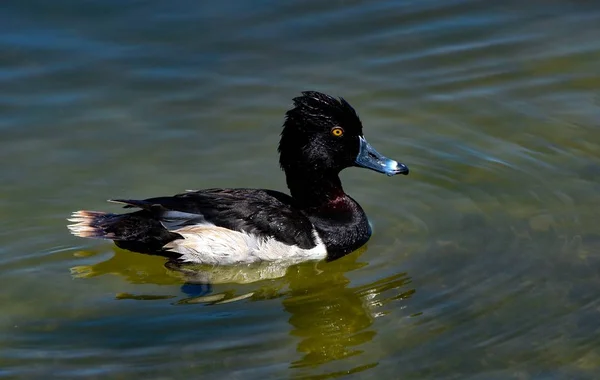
[[209, 244]]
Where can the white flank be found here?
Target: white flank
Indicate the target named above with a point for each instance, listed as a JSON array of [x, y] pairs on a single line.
[[209, 244]]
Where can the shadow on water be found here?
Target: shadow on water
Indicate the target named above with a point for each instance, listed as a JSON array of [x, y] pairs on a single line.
[[329, 316]]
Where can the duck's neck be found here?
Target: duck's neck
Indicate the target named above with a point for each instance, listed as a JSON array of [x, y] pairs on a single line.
[[340, 221], [315, 190]]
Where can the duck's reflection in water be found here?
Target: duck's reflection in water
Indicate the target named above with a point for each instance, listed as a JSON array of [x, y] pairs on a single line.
[[332, 319]]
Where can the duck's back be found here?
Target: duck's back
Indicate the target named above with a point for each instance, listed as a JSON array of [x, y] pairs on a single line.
[[213, 226]]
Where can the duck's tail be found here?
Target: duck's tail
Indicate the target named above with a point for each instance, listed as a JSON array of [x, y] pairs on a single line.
[[137, 231], [92, 224]]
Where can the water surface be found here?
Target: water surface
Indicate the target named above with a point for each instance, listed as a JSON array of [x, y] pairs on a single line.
[[484, 263]]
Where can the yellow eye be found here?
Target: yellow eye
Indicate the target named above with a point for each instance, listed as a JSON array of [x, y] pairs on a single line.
[[337, 131]]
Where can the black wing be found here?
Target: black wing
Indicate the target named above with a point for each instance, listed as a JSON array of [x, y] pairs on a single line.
[[264, 213]]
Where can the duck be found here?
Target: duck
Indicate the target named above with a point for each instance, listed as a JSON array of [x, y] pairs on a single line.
[[321, 136]]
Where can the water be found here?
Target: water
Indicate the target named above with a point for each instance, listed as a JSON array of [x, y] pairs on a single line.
[[484, 263]]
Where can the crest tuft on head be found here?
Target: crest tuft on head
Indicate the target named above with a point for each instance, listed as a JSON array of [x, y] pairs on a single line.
[[316, 110]]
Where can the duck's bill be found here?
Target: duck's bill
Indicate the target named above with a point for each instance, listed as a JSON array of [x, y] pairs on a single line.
[[369, 158]]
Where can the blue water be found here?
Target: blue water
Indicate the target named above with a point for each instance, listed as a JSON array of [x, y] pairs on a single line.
[[484, 262]]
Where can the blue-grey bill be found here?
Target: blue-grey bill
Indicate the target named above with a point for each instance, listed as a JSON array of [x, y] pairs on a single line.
[[369, 158]]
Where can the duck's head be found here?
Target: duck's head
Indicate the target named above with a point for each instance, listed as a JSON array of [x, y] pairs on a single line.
[[324, 134]]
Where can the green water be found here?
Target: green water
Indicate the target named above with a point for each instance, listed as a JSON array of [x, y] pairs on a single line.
[[484, 262]]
